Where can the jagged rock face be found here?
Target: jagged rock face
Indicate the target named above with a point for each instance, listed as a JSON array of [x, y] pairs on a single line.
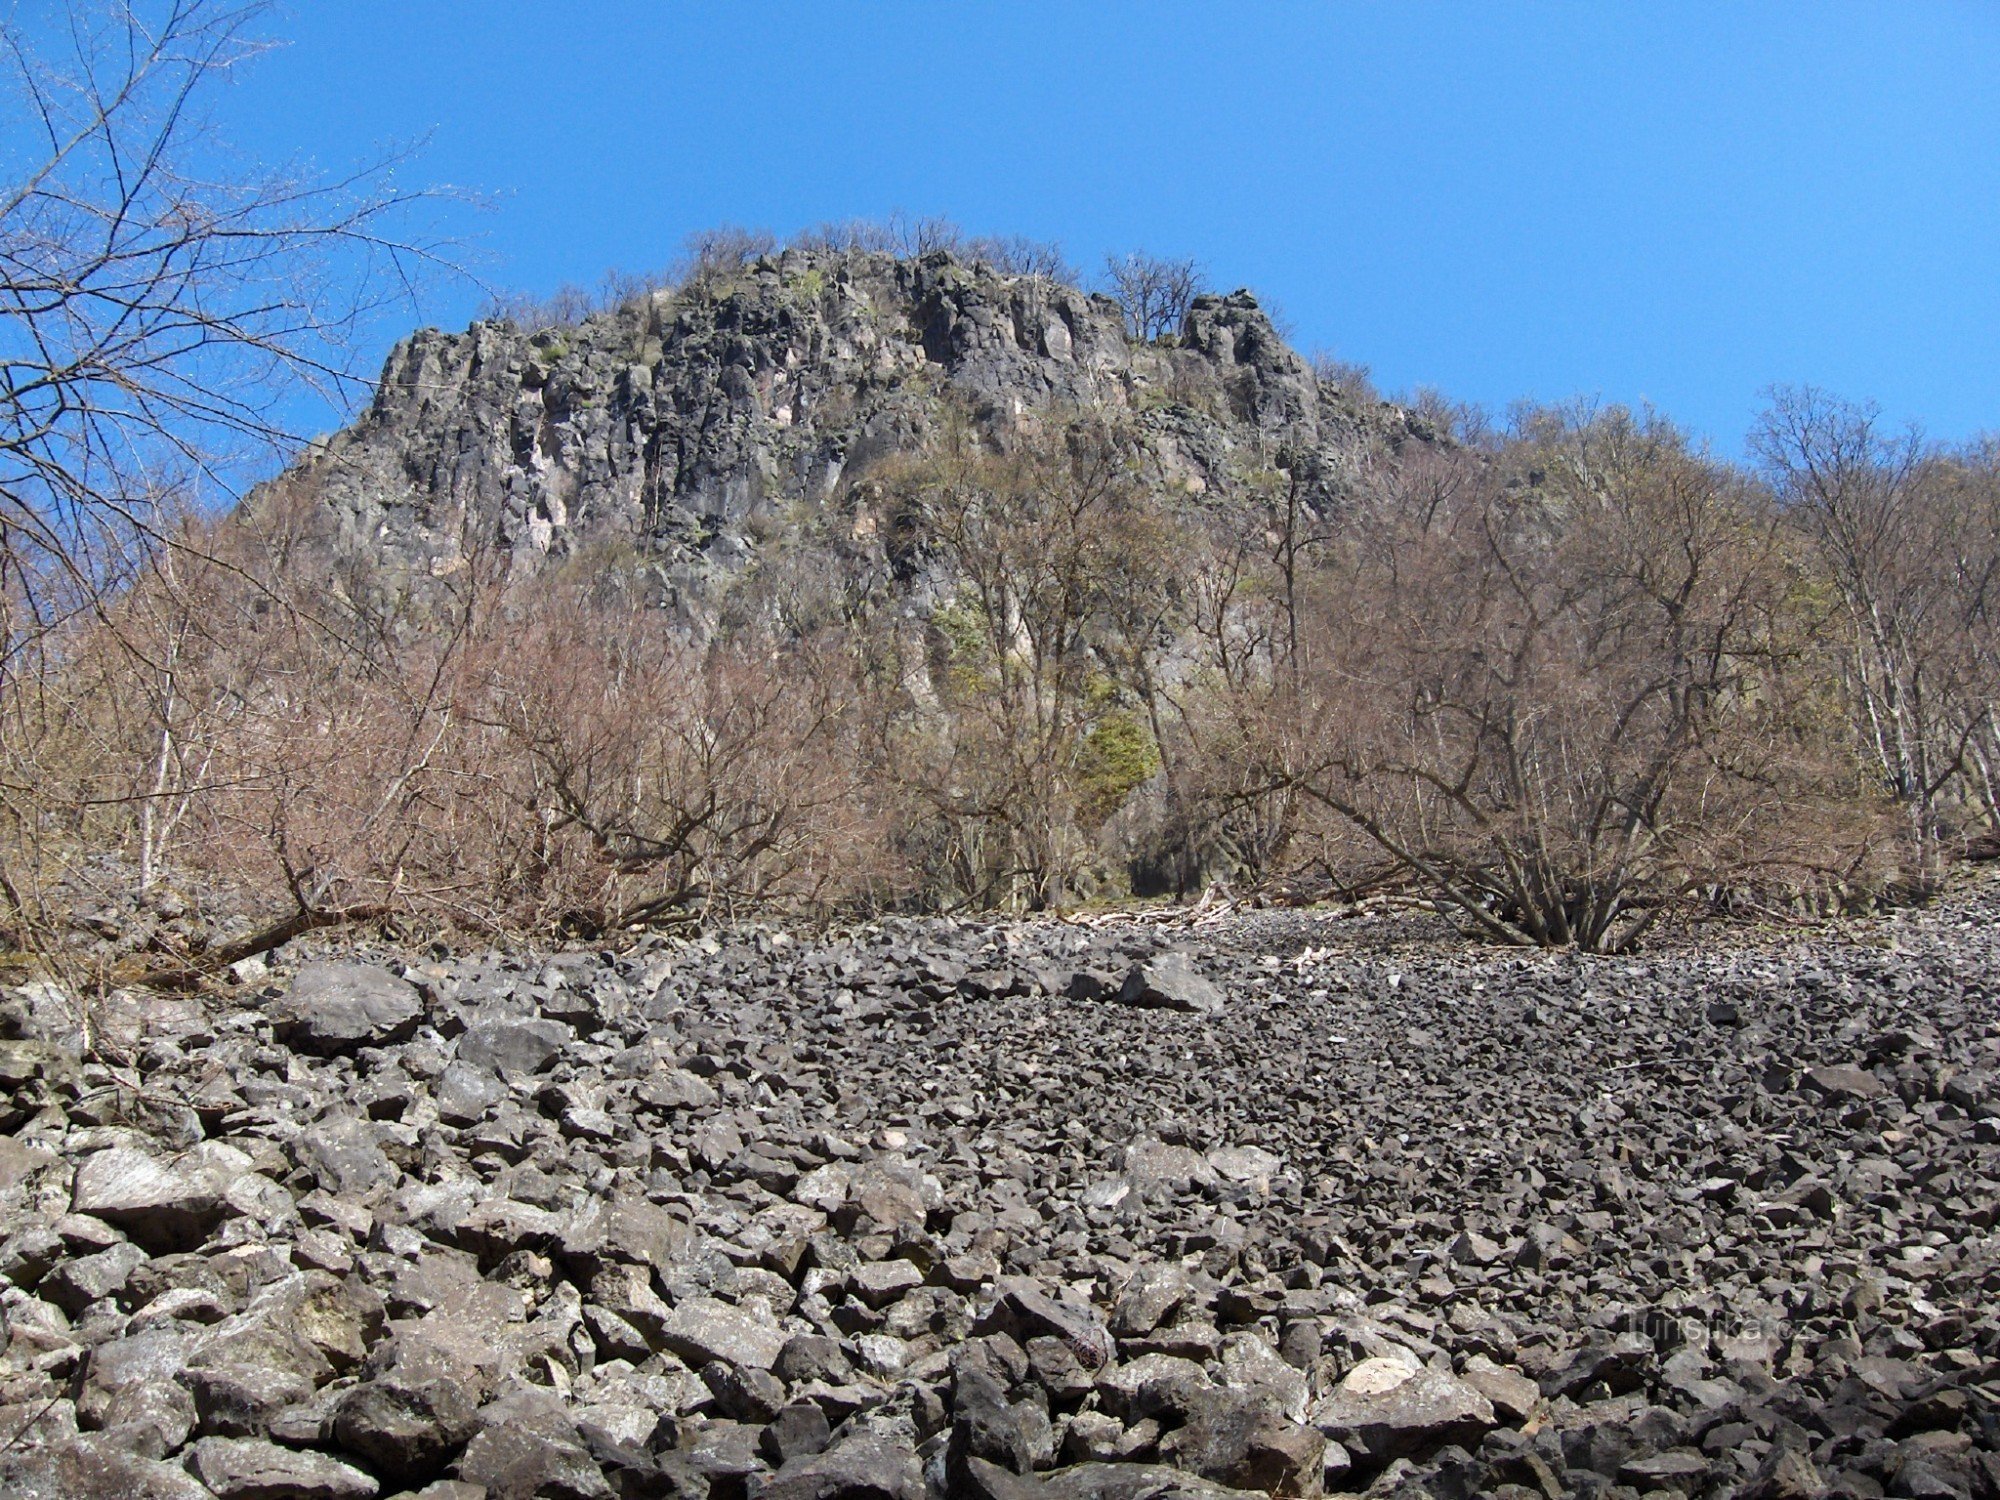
[[690, 423]]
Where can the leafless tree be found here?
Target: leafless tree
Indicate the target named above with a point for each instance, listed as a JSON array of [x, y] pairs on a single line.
[[156, 311], [1049, 548], [1018, 255], [1541, 689], [1906, 535], [166, 316], [913, 235], [724, 251], [1153, 292]]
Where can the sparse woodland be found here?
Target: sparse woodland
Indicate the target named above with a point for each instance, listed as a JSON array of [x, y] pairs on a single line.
[[1562, 684], [1561, 681]]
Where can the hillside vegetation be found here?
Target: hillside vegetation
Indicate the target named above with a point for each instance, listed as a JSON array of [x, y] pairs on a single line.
[[826, 579]]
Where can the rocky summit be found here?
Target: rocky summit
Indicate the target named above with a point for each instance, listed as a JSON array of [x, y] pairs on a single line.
[[686, 431], [1284, 1203]]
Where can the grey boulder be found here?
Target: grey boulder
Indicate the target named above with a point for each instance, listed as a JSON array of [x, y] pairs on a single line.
[[335, 1008], [165, 1204], [1170, 982], [1388, 1410], [513, 1046], [253, 1469]]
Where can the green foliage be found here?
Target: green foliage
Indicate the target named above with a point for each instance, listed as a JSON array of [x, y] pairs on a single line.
[[811, 285], [968, 655], [1117, 756]]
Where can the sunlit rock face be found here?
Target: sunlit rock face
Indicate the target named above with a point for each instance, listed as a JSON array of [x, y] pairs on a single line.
[[685, 432]]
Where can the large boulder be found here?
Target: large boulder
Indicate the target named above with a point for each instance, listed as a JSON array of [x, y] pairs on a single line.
[[865, 1467], [527, 1447], [345, 1157], [1237, 1438], [1386, 1409], [335, 1008], [165, 1204], [513, 1046], [1024, 1311], [93, 1466], [415, 1407], [252, 1469], [702, 1329], [1169, 982]]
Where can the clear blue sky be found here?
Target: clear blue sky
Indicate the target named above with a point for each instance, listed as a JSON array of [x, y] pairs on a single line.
[[1673, 202]]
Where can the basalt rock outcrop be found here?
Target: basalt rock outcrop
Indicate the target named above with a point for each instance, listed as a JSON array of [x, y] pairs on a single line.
[[907, 1213], [681, 433]]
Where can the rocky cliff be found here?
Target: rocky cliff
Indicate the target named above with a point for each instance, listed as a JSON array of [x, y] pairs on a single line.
[[691, 425]]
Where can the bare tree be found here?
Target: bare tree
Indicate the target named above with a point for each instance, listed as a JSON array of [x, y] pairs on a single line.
[[1048, 548], [1018, 255], [724, 250], [155, 313], [1152, 291], [165, 317], [917, 235], [1905, 533], [1542, 688]]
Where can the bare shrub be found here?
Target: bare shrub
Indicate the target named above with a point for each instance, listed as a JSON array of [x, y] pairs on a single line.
[[1354, 381], [663, 780], [1545, 692], [513, 760], [915, 236], [1152, 291], [848, 236], [1018, 255], [724, 251], [156, 317]]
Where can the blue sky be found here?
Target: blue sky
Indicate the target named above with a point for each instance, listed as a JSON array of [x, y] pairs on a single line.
[[1673, 202]]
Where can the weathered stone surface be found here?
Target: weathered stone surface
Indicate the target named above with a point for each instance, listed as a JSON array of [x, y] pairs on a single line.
[[703, 1329], [1169, 982], [1845, 1081], [251, 1469], [415, 1406], [93, 1466], [345, 1156], [339, 1007], [1238, 1439], [164, 1203], [1101, 1481], [890, 1186], [1026, 1311], [864, 1467], [527, 1447], [513, 1046], [1514, 1396], [1388, 1410]]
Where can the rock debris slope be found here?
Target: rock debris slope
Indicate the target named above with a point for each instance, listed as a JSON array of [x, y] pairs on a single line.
[[1017, 1212]]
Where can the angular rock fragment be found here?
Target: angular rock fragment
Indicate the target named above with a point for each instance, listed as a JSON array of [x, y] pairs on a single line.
[[334, 1008], [165, 1203], [703, 1329], [1387, 1410], [251, 1469], [513, 1046], [1170, 982], [864, 1467]]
